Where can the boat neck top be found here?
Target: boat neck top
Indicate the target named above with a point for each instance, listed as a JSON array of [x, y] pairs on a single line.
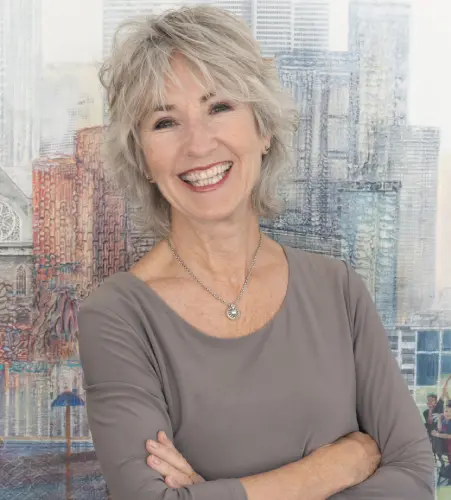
[[319, 369]]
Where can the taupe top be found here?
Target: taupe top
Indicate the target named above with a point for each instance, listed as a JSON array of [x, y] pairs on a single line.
[[320, 369]]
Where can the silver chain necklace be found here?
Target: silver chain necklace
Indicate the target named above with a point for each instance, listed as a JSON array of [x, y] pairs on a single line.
[[232, 311]]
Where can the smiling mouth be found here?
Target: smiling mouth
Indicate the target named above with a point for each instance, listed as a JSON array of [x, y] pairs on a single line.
[[208, 177]]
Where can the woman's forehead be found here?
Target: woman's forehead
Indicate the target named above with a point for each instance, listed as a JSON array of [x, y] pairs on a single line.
[[183, 73], [198, 90], [184, 79], [180, 69]]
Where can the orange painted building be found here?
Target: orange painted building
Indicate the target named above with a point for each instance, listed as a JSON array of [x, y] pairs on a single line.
[[79, 239], [106, 217], [79, 219]]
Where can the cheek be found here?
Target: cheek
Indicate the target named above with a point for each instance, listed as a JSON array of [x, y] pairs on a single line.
[[242, 135], [158, 159], [249, 150]]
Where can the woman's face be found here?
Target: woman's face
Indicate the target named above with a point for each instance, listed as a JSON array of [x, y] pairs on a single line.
[[203, 151]]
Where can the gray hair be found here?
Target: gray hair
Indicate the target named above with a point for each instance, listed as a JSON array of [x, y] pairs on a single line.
[[221, 47]]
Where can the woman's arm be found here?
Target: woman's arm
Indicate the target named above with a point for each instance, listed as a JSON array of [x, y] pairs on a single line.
[[126, 406], [386, 410], [330, 469], [326, 471]]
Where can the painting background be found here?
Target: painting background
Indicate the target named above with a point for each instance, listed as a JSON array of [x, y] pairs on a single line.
[[371, 184]]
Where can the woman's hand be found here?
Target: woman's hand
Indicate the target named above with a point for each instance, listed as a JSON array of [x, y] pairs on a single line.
[[170, 463]]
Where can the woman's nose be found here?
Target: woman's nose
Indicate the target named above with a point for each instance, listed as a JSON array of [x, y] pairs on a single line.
[[201, 139]]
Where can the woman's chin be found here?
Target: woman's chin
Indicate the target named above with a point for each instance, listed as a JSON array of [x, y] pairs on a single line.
[[215, 214]]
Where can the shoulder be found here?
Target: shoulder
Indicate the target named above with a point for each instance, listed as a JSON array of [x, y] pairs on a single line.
[[117, 315], [328, 280], [109, 294], [321, 270], [123, 298]]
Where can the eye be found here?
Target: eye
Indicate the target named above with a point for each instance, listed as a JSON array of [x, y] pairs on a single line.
[[165, 123], [221, 106]]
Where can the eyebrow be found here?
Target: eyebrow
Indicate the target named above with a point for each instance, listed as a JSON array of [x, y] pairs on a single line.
[[170, 107]]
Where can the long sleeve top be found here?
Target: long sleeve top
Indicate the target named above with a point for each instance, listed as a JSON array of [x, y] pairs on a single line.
[[320, 369]]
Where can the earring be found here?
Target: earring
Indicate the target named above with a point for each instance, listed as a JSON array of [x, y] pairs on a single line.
[[149, 179], [266, 151]]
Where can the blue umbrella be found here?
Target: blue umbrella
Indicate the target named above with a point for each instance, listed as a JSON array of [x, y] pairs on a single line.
[[68, 399]]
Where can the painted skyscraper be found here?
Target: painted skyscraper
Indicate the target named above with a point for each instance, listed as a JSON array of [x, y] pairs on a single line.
[[281, 25], [379, 40], [311, 24], [273, 25], [415, 155], [389, 149], [277, 24], [320, 83], [20, 66], [369, 228]]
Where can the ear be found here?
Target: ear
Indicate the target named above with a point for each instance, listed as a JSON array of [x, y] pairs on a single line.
[[267, 143], [149, 178]]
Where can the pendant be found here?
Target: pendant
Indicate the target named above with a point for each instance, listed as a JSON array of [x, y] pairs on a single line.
[[232, 312]]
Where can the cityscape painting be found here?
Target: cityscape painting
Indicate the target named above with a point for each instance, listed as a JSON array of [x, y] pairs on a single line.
[[371, 184]]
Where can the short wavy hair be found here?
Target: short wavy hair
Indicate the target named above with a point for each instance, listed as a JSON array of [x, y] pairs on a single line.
[[221, 47]]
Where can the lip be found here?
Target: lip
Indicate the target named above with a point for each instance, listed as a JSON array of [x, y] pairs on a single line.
[[197, 169], [209, 187]]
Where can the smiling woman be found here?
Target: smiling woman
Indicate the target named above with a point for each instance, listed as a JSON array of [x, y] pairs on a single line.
[[207, 364], [198, 92], [201, 144]]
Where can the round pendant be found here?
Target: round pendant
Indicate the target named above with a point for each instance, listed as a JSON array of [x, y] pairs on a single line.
[[232, 312]]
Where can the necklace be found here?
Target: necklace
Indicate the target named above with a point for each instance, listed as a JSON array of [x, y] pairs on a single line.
[[232, 311]]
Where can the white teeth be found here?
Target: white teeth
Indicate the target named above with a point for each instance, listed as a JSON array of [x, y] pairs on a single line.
[[210, 181], [205, 177]]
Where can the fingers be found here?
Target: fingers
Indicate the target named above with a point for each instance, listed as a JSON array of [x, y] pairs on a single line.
[[164, 450], [173, 477], [170, 463], [163, 439], [173, 483]]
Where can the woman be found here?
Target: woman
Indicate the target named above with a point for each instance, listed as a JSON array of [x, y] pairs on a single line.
[[237, 368]]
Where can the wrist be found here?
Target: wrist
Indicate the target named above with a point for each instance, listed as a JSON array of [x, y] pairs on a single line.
[[315, 477], [336, 465], [360, 455]]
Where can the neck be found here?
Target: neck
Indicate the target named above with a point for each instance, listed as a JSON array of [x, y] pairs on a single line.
[[222, 251]]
